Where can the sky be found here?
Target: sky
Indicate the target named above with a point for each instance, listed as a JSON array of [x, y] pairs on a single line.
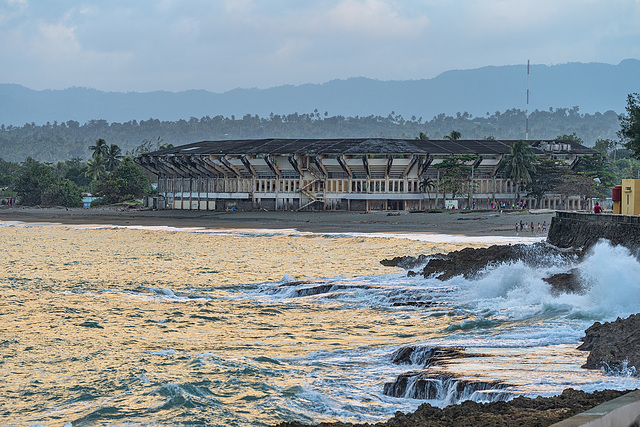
[[219, 45]]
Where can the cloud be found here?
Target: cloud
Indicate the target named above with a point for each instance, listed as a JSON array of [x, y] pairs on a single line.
[[223, 44], [373, 19]]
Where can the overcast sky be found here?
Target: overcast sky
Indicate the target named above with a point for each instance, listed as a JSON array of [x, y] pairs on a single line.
[[217, 45]]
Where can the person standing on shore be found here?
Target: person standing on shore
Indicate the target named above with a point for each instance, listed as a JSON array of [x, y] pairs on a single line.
[[597, 209]]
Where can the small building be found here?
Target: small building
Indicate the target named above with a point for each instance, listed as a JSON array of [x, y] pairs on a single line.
[[358, 174], [630, 200]]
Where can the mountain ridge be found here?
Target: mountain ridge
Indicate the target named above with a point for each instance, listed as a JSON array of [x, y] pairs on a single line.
[[593, 87]]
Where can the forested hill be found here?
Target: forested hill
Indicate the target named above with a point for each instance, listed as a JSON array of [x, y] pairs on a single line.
[[55, 142], [590, 86]]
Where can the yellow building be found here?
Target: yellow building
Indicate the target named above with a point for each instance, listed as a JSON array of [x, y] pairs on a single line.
[[630, 203]]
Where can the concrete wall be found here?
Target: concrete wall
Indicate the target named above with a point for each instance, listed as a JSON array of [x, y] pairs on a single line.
[[623, 411], [571, 229]]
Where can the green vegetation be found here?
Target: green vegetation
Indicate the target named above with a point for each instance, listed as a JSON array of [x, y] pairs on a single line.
[[630, 125], [126, 182], [455, 174], [39, 184], [519, 165], [105, 174], [55, 142]]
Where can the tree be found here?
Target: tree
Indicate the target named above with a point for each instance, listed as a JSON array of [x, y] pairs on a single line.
[[455, 173], [578, 183], [33, 180], [453, 136], [75, 170], [38, 184], [519, 164], [630, 125], [422, 137], [62, 193], [547, 177], [112, 157], [128, 181], [8, 172], [426, 185], [96, 168], [99, 149], [573, 137]]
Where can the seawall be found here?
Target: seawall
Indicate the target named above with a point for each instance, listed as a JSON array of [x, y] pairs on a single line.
[[572, 229]]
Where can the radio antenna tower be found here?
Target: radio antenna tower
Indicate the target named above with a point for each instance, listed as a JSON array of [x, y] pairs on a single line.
[[526, 134]]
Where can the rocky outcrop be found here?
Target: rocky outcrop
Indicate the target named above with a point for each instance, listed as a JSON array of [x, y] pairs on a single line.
[[469, 262], [521, 412], [614, 346], [425, 356], [425, 385], [566, 283], [407, 262]]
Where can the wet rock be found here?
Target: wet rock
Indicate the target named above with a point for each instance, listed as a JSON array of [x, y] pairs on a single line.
[[614, 346], [414, 304], [566, 283], [406, 262], [428, 386], [521, 412], [425, 356], [468, 262]]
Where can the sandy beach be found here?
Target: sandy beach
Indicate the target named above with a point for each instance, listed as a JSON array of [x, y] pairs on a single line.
[[467, 223]]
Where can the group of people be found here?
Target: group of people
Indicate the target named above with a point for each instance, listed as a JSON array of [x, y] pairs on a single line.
[[9, 201], [523, 226]]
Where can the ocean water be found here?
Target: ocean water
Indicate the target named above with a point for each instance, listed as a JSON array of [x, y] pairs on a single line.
[[164, 326]]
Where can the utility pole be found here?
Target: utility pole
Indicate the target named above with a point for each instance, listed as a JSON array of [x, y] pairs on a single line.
[[526, 135]]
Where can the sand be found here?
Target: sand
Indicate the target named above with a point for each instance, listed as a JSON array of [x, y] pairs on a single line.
[[467, 223]]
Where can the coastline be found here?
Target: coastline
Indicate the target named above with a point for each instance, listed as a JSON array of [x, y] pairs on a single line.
[[462, 223], [465, 223]]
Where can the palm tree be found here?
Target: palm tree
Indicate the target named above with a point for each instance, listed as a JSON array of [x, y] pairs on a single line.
[[453, 136], [95, 168], [112, 157], [427, 184], [519, 164], [100, 149], [422, 137]]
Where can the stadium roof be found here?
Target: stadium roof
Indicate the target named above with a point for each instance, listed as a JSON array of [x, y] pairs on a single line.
[[356, 146]]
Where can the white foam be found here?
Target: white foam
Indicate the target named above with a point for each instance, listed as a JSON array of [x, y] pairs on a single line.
[[162, 352], [258, 232]]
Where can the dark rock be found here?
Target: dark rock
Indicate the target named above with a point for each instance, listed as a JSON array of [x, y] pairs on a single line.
[[520, 412], [314, 290], [468, 262], [614, 346], [414, 304], [425, 356], [565, 283], [406, 262], [428, 386]]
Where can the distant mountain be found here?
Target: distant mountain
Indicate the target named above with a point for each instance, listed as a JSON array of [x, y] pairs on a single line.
[[592, 87]]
